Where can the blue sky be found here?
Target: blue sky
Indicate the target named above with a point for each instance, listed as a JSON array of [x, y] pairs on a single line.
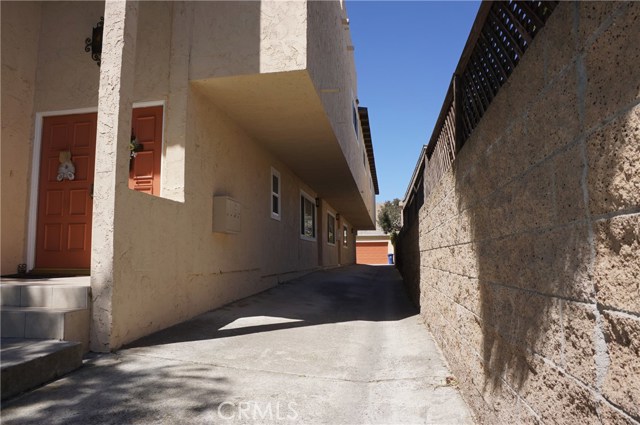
[[406, 52]]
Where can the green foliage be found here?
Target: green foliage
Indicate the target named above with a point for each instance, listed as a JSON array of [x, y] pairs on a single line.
[[390, 218]]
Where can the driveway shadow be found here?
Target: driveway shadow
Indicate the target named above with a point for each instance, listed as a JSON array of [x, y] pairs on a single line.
[[352, 293]]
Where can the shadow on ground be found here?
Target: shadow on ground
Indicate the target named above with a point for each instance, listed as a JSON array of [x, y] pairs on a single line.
[[108, 390], [359, 292], [133, 386]]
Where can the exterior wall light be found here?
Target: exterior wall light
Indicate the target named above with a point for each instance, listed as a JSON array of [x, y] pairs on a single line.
[[94, 44]]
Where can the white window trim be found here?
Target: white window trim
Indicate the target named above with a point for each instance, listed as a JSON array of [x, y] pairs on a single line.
[[315, 221], [276, 173], [335, 223]]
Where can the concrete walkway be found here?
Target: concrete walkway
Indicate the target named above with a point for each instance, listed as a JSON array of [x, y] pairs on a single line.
[[343, 346]]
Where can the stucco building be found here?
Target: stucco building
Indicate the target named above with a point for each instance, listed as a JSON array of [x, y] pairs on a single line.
[[250, 164]]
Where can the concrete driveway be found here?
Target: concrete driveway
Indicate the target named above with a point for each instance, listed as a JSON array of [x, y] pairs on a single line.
[[343, 346]]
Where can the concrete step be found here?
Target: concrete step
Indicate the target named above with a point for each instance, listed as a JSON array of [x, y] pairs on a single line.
[[28, 363], [55, 293], [69, 324], [47, 308]]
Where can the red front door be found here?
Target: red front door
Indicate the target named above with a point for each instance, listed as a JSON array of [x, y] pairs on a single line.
[[144, 170], [65, 205]]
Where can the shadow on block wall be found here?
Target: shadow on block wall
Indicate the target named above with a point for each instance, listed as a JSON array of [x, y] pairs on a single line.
[[524, 257], [408, 264], [519, 184], [551, 161]]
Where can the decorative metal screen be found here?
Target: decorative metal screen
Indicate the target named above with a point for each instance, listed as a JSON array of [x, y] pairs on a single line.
[[500, 36], [502, 40]]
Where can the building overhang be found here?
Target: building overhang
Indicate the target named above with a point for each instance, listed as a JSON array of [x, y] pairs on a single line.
[[368, 144], [283, 113]]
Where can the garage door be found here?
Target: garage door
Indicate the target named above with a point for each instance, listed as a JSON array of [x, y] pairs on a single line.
[[371, 252]]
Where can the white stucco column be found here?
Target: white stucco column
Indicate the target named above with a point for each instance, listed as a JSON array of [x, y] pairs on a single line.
[[173, 173], [117, 73]]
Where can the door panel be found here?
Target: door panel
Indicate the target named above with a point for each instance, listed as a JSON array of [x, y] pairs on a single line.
[[64, 207], [371, 252], [144, 174]]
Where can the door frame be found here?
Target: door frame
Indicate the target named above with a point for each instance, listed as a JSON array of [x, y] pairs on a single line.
[[32, 214]]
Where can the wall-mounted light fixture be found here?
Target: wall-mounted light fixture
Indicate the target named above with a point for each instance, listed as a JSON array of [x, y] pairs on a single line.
[[94, 44], [317, 202], [338, 216]]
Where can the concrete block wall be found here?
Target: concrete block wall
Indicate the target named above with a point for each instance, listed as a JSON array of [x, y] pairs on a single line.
[[407, 259], [529, 247]]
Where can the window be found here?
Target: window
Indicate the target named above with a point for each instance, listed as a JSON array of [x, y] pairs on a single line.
[[275, 194], [331, 229], [345, 233], [307, 217]]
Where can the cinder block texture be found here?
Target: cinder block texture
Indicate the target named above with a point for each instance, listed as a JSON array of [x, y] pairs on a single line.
[[617, 263], [622, 382], [579, 329], [526, 254], [611, 64], [614, 169]]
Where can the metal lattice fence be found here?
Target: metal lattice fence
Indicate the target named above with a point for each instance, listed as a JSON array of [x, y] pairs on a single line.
[[501, 34]]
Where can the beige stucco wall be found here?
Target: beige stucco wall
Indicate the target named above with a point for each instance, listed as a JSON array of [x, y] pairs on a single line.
[[167, 264], [335, 81], [52, 74], [20, 38], [191, 269], [67, 78], [526, 252], [183, 268], [248, 37]]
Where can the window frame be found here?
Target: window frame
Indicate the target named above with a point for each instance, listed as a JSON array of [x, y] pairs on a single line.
[[278, 215], [330, 215], [305, 196], [345, 235]]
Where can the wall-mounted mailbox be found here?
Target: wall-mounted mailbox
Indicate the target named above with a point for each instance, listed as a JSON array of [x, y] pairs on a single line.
[[226, 215]]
